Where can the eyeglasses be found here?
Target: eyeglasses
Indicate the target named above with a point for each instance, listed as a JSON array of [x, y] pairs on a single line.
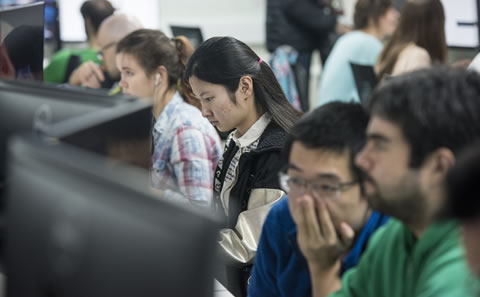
[[327, 188], [103, 49]]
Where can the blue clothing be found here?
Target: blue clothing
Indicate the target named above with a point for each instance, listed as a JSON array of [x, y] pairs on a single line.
[[281, 63], [280, 268], [336, 80]]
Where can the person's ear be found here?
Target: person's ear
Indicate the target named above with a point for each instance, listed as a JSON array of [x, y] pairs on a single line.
[[438, 164], [160, 75], [245, 86]]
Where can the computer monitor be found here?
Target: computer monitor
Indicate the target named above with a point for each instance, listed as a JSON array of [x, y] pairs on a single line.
[[22, 41], [29, 105], [51, 22], [365, 81], [194, 34], [80, 226], [120, 133]]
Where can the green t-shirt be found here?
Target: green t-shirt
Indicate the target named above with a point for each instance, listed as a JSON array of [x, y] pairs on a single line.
[[396, 264], [55, 72]]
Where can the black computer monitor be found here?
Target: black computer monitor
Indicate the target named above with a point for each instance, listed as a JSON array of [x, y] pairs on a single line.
[[81, 226], [21, 41], [194, 34], [29, 105], [51, 22], [365, 81], [115, 126], [120, 133]]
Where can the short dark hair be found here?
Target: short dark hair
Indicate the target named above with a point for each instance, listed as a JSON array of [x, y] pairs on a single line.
[[336, 127], [436, 107], [96, 11], [463, 192], [366, 9], [224, 60]]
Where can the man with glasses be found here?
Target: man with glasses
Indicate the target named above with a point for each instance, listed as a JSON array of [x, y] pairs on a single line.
[[322, 184], [64, 62], [419, 124], [92, 75]]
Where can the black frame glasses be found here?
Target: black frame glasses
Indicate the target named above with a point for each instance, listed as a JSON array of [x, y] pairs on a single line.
[[104, 48], [320, 188]]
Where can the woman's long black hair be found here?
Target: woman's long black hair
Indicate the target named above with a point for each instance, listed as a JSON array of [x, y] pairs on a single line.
[[224, 60]]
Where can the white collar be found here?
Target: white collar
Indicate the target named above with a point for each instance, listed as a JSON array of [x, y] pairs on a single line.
[[253, 133]]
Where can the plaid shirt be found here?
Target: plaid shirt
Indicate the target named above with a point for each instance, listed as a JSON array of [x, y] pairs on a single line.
[[186, 151]]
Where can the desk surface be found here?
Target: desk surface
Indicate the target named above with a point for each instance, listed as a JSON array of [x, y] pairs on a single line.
[[218, 289]]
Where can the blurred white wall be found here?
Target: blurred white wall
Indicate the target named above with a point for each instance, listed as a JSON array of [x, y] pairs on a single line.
[[244, 19]]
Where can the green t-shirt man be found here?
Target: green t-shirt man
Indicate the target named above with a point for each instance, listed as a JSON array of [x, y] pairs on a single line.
[[396, 264], [65, 61]]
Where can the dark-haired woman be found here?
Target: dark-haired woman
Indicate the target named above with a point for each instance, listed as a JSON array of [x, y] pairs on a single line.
[[186, 145], [238, 90]]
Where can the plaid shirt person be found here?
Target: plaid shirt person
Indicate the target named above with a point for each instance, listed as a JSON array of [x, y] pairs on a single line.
[[186, 151]]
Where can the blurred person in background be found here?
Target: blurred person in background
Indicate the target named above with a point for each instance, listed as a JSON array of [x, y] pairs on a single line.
[[186, 146], [238, 90], [418, 42], [24, 48], [305, 25], [64, 62], [374, 20], [105, 75]]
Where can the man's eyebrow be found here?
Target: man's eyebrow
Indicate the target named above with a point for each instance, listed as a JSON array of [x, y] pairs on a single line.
[[378, 137], [330, 176], [292, 166]]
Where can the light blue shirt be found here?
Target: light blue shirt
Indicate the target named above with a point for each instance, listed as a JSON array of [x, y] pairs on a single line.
[[336, 81]]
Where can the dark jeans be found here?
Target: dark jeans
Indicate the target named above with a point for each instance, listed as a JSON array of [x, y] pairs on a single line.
[[302, 77]]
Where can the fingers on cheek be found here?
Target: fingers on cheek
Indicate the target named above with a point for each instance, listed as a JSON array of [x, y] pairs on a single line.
[[304, 201]]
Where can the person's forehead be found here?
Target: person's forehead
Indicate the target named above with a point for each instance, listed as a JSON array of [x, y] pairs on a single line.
[[319, 160], [379, 125], [203, 87], [126, 58]]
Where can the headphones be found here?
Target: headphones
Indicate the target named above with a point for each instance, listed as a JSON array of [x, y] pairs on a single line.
[[157, 79]]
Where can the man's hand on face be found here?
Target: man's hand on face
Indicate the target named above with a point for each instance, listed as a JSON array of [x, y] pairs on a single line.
[[88, 74], [316, 235]]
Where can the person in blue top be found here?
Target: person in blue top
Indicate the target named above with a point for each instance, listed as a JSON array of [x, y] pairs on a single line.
[[373, 21], [320, 176]]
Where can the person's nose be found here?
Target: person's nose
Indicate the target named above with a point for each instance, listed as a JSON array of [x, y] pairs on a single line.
[[206, 112], [362, 159], [123, 83]]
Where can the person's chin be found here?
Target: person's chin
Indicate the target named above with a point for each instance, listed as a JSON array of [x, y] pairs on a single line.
[[370, 192], [369, 188], [219, 126]]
